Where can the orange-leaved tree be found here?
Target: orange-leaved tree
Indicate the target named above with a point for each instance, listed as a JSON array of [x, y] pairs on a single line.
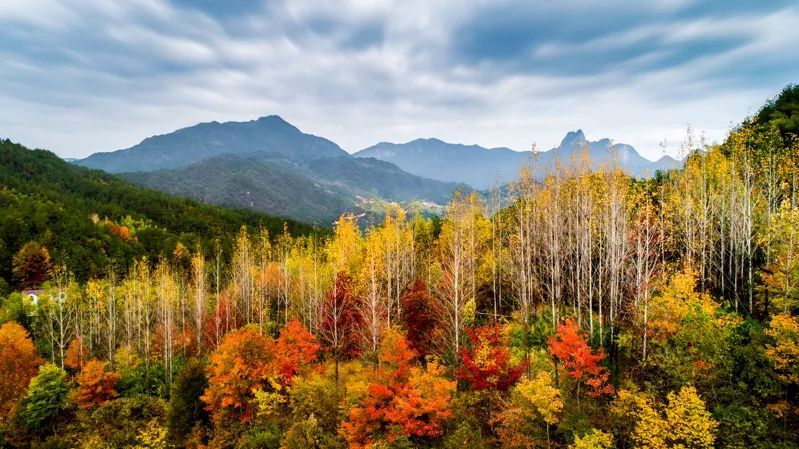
[[77, 353], [486, 362], [404, 399], [295, 349], [578, 360], [96, 386], [18, 363], [243, 364]]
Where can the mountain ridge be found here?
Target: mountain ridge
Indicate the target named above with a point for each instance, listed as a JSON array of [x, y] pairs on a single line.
[[207, 139], [478, 166]]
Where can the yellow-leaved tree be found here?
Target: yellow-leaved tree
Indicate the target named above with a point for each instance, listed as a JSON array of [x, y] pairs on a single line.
[[683, 423]]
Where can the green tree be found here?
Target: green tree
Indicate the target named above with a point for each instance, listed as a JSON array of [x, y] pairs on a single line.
[[186, 409], [46, 398]]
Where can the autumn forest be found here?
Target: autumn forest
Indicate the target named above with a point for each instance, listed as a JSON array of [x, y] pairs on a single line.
[[587, 309]]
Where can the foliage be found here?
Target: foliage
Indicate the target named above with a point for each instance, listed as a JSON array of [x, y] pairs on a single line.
[[578, 360], [418, 319], [486, 362], [596, 439], [295, 349], [784, 352], [241, 365], [96, 386], [18, 362], [690, 335], [47, 396], [32, 265], [186, 410], [339, 327], [76, 354], [535, 405], [123, 422], [683, 422], [403, 400]]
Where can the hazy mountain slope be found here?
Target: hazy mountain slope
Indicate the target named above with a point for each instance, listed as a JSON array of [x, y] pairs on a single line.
[[195, 143], [375, 178], [478, 166], [442, 161]]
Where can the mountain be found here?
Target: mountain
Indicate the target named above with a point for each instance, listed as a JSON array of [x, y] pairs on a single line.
[[243, 181], [267, 165], [432, 158], [314, 191], [95, 222], [479, 166], [189, 145]]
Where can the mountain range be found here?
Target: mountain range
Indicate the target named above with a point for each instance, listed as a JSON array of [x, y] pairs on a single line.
[[483, 168], [270, 166]]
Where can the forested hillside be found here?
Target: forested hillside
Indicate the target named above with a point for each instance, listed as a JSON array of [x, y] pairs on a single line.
[[96, 223], [595, 310]]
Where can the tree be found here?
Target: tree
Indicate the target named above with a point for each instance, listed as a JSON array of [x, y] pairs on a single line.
[[18, 362], [579, 361], [32, 265], [418, 317], [46, 398], [374, 304], [339, 326], [486, 362], [243, 364], [784, 352], [781, 275], [77, 354], [96, 386], [295, 349], [402, 401], [684, 423], [691, 425], [462, 238], [186, 409], [532, 401], [595, 439]]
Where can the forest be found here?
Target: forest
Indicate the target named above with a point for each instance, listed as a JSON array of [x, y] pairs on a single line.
[[590, 309]]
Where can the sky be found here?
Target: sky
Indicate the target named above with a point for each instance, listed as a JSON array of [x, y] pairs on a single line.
[[83, 76]]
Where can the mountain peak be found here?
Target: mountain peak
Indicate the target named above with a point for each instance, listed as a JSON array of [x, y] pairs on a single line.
[[270, 134], [272, 118], [573, 137]]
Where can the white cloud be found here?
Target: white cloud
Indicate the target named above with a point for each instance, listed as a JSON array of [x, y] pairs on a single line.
[[97, 76]]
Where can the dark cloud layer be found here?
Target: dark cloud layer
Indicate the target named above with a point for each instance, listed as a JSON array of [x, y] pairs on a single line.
[[85, 76]]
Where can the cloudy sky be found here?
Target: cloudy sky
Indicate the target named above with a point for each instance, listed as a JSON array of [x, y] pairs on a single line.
[[84, 76]]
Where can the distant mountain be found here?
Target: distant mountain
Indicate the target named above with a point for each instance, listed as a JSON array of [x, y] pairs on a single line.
[[267, 165], [432, 158], [193, 144], [479, 166]]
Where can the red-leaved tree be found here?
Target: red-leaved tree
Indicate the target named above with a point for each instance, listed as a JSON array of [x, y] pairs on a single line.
[[295, 349], [486, 362], [340, 318], [578, 360], [420, 324], [403, 399]]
